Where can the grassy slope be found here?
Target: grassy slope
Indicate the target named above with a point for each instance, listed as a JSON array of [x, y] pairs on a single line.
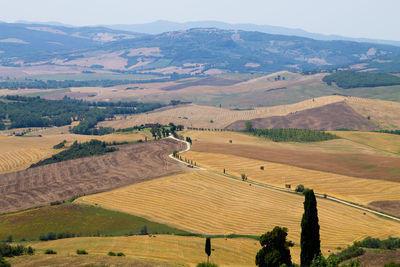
[[78, 219]]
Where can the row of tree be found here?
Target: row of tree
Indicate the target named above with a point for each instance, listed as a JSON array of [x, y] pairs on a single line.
[[292, 135], [351, 79], [36, 112]]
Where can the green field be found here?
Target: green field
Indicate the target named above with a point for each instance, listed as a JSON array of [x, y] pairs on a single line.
[[49, 92], [76, 219], [93, 76]]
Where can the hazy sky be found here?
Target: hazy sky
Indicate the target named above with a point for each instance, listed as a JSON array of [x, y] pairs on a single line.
[[355, 18]]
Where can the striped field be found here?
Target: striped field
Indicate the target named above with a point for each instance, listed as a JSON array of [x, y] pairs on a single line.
[[208, 203]]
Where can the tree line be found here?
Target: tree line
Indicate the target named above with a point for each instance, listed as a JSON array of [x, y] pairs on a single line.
[[351, 79], [36, 112], [292, 135], [79, 150]]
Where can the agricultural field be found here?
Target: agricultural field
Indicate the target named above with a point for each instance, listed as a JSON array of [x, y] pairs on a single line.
[[156, 250], [375, 164], [132, 163], [382, 114], [209, 203], [20, 152], [356, 190]]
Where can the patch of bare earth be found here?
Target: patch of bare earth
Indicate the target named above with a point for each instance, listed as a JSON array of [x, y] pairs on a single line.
[[356, 165], [329, 117], [374, 257], [392, 207], [133, 163]]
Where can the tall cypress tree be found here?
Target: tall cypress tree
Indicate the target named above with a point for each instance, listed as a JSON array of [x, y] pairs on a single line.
[[310, 242]]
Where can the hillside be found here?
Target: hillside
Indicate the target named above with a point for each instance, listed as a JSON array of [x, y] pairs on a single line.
[[329, 117], [60, 181]]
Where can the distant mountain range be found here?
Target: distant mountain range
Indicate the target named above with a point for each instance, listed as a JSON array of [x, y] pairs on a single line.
[[162, 26], [190, 52]]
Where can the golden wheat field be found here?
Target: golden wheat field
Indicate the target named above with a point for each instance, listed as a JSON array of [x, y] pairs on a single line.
[[381, 141], [357, 190], [206, 202], [163, 248], [19, 152]]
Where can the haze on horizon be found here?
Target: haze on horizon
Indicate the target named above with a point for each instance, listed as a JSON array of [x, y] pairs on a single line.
[[376, 19]]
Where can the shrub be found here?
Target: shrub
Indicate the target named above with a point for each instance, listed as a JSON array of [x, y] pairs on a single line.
[[4, 263], [50, 251], [111, 253], [299, 188], [81, 252], [120, 254]]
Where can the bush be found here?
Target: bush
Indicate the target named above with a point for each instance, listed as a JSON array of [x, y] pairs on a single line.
[[4, 263], [120, 254], [299, 188], [81, 252], [50, 251], [204, 264], [111, 253]]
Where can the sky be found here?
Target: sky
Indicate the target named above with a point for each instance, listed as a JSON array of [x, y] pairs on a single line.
[[378, 19]]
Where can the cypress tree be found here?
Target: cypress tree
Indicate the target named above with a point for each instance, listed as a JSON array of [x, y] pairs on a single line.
[[208, 249], [310, 242]]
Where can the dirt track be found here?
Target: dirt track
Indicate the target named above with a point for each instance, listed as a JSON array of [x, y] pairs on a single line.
[[329, 117], [132, 164]]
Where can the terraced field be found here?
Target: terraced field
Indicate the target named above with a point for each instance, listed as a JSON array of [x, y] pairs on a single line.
[[209, 203], [144, 251], [42, 185]]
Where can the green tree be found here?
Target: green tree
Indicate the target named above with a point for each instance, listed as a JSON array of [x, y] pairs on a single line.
[[310, 242], [208, 249], [275, 249], [249, 126]]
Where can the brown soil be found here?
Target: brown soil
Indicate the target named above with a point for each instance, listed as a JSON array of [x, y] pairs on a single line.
[[132, 164], [211, 81], [376, 257], [329, 117], [356, 165], [392, 207]]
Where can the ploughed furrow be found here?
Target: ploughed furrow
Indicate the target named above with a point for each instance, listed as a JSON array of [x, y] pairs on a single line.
[[133, 163], [208, 203]]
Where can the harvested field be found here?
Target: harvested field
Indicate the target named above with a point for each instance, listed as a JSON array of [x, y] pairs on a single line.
[[357, 190], [356, 109], [212, 81], [350, 164], [209, 203], [392, 207], [84, 261], [381, 141], [330, 146], [201, 116], [18, 153], [167, 249], [131, 164], [329, 117]]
